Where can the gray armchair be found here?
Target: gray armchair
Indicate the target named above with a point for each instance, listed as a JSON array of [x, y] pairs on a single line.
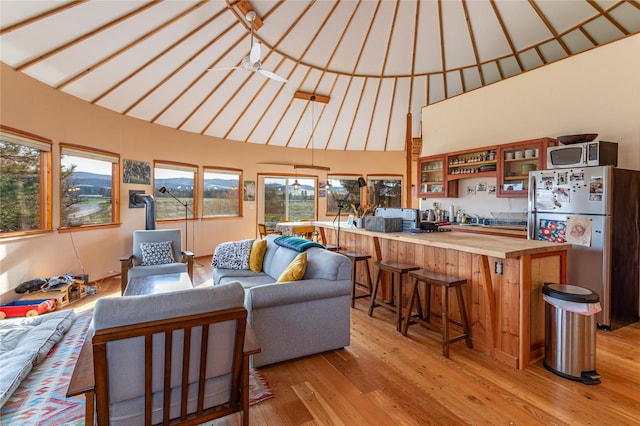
[[172, 358], [132, 266]]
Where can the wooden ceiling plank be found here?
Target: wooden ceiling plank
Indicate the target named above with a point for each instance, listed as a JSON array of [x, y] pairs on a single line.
[[390, 38], [606, 15], [506, 34], [373, 113], [386, 139], [220, 83], [42, 16], [296, 63], [84, 37], [286, 111], [131, 45], [413, 53], [442, 55], [172, 74], [251, 101], [205, 72], [355, 67], [346, 142], [164, 52], [550, 27], [472, 36]]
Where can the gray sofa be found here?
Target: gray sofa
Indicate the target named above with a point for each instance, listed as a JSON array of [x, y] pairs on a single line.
[[298, 318]]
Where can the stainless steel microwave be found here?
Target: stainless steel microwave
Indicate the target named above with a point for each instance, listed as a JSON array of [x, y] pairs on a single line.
[[586, 154]]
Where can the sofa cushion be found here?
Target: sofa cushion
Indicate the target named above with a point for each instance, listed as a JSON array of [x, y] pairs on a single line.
[[156, 253], [256, 257], [295, 270], [232, 255]]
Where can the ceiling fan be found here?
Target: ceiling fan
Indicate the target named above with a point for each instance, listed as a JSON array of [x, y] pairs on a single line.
[[252, 62]]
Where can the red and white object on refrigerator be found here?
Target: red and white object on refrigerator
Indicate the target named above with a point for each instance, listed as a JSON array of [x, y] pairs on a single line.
[[597, 209]]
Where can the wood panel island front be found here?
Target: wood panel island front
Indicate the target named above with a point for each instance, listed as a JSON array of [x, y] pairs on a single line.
[[505, 276]]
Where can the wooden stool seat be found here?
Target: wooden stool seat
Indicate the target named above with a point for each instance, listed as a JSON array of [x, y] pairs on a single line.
[[355, 258], [395, 304], [445, 282]]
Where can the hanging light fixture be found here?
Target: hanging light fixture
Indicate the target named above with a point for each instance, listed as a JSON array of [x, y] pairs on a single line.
[[313, 99], [296, 185]]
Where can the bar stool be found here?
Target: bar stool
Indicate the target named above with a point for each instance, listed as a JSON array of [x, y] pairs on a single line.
[[395, 269], [355, 258], [445, 282], [323, 240]]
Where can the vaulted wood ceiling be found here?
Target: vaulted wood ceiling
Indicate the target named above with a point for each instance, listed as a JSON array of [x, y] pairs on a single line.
[[369, 62]]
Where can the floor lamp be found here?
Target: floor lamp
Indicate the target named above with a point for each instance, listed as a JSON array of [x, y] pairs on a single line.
[[164, 190]]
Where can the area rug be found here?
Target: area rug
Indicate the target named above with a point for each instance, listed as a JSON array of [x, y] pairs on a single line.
[[40, 399]]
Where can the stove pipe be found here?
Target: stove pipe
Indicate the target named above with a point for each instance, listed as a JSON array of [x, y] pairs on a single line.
[[150, 209]]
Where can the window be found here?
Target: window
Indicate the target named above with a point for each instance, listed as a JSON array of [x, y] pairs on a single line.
[[283, 201], [174, 190], [222, 192], [385, 191], [89, 186], [25, 183], [343, 190]]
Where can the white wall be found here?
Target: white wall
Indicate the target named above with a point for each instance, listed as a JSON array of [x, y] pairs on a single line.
[[597, 91]]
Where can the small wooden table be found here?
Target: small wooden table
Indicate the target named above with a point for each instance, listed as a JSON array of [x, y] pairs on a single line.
[[286, 228], [153, 284]]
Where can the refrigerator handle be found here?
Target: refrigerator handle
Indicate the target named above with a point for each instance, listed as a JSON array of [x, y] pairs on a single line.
[[531, 205]]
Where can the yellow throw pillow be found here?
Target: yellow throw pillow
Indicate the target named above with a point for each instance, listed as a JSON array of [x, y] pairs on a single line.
[[258, 249], [295, 270]]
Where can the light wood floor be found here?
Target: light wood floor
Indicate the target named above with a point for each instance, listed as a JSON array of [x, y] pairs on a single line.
[[384, 378]]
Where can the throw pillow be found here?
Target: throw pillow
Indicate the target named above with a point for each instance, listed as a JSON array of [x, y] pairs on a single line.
[[295, 270], [232, 255], [258, 249], [157, 253]]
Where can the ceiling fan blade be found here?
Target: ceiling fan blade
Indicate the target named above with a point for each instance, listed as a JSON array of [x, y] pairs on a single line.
[[224, 69], [255, 54], [272, 76]]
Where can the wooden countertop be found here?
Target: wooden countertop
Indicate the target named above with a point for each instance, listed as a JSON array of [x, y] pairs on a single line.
[[490, 245], [517, 232]]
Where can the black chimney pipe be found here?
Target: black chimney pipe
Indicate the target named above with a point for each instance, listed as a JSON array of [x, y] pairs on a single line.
[[150, 208]]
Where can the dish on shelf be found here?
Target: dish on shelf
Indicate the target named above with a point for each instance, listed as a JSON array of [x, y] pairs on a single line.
[[569, 139]]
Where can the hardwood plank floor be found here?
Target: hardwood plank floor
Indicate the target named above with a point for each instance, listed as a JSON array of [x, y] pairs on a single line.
[[384, 378]]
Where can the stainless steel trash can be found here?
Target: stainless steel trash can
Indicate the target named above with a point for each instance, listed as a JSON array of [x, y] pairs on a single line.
[[570, 332]]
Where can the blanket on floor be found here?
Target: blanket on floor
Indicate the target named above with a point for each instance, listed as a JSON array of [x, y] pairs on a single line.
[[24, 343]]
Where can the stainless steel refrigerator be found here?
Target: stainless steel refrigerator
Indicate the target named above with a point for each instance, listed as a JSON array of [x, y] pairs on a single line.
[[597, 209]]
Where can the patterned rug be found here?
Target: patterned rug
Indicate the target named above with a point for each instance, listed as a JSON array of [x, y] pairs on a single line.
[[40, 399]]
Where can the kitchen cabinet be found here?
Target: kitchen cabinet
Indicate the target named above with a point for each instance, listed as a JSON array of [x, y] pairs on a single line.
[[431, 178], [478, 162], [515, 161]]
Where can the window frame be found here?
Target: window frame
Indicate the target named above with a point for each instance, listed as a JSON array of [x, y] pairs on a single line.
[[193, 209], [370, 194], [347, 208], [44, 146], [115, 182], [229, 171], [288, 177]]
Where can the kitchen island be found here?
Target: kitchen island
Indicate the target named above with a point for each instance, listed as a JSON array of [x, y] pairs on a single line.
[[505, 276]]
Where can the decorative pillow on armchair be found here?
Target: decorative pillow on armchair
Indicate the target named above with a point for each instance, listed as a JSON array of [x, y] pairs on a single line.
[[157, 253], [232, 255]]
